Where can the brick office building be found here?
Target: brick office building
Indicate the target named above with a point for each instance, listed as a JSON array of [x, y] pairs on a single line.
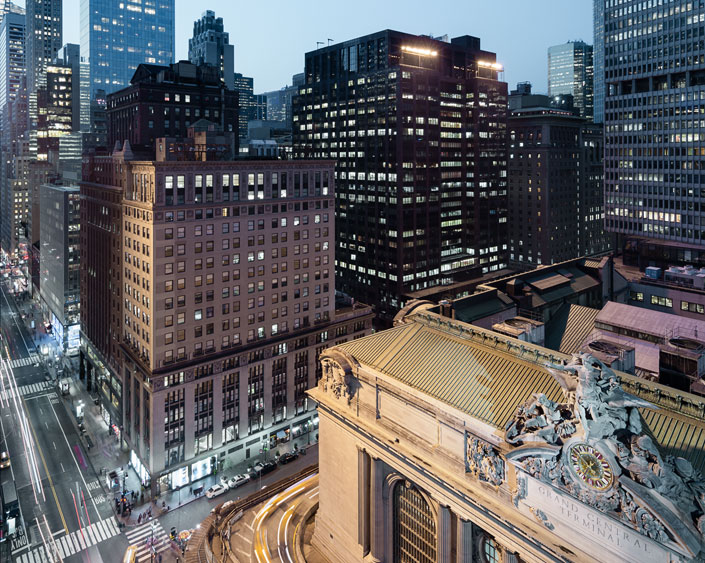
[[164, 101], [227, 299]]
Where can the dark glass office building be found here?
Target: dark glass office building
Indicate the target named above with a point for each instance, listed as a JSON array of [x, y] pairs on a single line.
[[116, 37], [418, 129], [654, 74]]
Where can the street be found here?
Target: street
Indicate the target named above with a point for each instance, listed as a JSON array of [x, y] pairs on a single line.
[[49, 466], [67, 510]]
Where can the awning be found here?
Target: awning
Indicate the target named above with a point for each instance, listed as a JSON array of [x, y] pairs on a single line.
[[281, 434]]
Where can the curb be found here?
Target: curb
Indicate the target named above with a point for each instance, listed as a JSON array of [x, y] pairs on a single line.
[[299, 542]]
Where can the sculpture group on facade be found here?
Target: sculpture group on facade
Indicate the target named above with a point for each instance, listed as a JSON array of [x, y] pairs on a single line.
[[593, 445]]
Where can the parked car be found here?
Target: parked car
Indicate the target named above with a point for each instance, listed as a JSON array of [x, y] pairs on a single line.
[[4, 460], [238, 480], [287, 457], [216, 490], [264, 468]]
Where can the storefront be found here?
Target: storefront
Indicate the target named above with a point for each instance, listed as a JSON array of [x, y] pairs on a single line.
[[281, 436], [203, 468], [141, 470]]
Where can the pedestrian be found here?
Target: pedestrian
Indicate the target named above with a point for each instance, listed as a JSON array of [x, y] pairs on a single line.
[[160, 558], [190, 490], [139, 519]]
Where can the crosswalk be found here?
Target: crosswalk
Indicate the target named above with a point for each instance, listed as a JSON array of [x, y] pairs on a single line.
[[25, 390], [22, 362], [141, 537], [64, 546]]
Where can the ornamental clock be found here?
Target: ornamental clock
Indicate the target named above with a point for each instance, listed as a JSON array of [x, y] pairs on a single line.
[[590, 466]]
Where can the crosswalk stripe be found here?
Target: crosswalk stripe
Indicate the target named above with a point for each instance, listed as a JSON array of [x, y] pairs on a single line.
[[74, 542], [112, 526], [98, 528], [60, 550], [90, 538], [81, 540], [65, 546]]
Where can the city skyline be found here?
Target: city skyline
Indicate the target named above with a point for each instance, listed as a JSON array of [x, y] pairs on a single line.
[[527, 63]]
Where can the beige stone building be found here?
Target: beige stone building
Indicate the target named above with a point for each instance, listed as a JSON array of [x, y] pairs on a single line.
[[441, 441], [226, 299]]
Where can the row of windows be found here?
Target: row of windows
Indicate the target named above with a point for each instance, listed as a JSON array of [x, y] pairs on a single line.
[[667, 302]]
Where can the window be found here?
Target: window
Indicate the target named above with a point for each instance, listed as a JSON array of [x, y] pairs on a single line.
[[414, 525], [662, 301], [693, 307]]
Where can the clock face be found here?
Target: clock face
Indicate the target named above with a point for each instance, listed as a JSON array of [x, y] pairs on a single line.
[[591, 466]]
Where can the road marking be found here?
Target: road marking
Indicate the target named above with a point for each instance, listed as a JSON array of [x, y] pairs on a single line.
[[142, 537], [74, 460], [46, 469], [26, 390], [22, 362], [62, 467], [54, 444]]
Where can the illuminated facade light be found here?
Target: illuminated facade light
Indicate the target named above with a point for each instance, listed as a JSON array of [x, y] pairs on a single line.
[[489, 64], [419, 51]]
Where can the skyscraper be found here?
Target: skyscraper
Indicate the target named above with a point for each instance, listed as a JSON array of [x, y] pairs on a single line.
[[44, 32], [12, 57], [209, 45], [555, 183], [12, 80], [247, 108], [418, 129], [599, 60], [570, 71], [117, 36], [654, 142]]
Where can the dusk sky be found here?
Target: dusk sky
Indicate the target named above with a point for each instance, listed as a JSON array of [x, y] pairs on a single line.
[[271, 37]]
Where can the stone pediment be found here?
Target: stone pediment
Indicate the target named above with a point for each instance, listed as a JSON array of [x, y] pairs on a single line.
[[592, 446]]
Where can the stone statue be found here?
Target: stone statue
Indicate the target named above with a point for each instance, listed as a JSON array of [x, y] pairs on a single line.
[[597, 396], [662, 497]]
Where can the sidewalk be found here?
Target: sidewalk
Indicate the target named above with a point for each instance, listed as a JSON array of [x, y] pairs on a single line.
[[106, 454]]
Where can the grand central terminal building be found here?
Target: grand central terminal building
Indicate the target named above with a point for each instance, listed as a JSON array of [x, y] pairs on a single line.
[[441, 441]]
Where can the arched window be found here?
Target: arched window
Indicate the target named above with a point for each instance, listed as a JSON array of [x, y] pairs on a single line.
[[490, 552], [414, 526]]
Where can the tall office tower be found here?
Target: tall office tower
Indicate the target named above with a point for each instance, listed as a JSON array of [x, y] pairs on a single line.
[[163, 101], [598, 12], [12, 79], [226, 301], [70, 56], [4, 8], [654, 87], [244, 86], [279, 104], [44, 28], [61, 262], [12, 59], [59, 110], [116, 37], [418, 128], [570, 71], [209, 45], [555, 186]]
